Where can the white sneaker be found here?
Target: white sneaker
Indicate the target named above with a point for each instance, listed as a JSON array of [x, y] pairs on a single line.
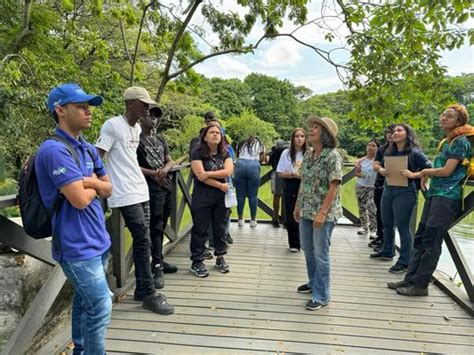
[[253, 223], [362, 232], [240, 222], [294, 250], [372, 235]]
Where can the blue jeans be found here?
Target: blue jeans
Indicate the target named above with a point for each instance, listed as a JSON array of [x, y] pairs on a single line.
[[315, 243], [246, 182], [91, 305], [397, 207]]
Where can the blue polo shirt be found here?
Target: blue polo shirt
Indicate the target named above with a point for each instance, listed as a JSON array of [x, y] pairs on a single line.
[[81, 233]]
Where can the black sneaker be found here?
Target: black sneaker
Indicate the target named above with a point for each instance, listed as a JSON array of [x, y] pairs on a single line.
[[412, 290], [222, 266], [158, 304], [398, 269], [375, 243], [304, 289], [199, 269], [380, 256], [313, 306], [169, 268], [275, 223], [158, 276], [395, 285], [229, 239], [208, 255]]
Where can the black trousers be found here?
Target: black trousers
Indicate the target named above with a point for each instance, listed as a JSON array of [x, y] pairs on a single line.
[[438, 215], [208, 209], [290, 194], [292, 227], [378, 198], [160, 210], [137, 218]]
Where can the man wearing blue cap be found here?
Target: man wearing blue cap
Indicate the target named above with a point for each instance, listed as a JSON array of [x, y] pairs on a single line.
[[119, 139], [80, 240]]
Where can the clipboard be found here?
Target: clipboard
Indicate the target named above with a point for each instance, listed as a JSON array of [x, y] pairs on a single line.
[[394, 165]]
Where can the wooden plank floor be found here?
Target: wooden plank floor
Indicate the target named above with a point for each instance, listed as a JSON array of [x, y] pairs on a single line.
[[255, 308]]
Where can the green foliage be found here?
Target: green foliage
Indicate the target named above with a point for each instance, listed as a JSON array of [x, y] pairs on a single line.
[[274, 101], [394, 65], [230, 96], [394, 70], [353, 137], [178, 139], [248, 124]]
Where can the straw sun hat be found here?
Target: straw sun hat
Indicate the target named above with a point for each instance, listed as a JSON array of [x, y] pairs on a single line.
[[327, 123]]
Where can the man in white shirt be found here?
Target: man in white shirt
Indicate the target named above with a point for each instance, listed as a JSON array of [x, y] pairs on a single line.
[[119, 139]]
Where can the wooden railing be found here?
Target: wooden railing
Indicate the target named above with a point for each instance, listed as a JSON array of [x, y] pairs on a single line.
[[346, 177], [120, 278]]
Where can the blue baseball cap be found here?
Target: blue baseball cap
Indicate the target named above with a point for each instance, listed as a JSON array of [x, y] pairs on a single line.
[[71, 92]]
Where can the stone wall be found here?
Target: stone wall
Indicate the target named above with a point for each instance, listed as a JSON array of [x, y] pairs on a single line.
[[21, 277]]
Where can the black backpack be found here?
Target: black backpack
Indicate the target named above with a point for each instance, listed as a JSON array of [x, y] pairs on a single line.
[[275, 154], [34, 214]]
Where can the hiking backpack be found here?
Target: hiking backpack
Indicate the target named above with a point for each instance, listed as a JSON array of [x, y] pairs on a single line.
[[34, 214]]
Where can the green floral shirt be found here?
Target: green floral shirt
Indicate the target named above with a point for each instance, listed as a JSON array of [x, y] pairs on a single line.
[[316, 175]]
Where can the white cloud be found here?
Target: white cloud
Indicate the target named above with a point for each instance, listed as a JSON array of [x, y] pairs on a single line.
[[282, 53], [224, 67], [319, 83]]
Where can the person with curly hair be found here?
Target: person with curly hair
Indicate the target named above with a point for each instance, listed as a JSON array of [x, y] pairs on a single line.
[[443, 201]]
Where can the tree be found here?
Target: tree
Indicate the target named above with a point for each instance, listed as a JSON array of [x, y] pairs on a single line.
[[394, 69], [230, 96], [274, 101], [248, 124]]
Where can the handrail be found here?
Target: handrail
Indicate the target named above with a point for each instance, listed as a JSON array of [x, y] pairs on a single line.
[[120, 278]]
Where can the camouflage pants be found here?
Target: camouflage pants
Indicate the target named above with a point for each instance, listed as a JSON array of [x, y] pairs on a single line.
[[367, 209]]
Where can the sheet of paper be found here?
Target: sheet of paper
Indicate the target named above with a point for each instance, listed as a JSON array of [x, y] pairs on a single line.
[[394, 165]]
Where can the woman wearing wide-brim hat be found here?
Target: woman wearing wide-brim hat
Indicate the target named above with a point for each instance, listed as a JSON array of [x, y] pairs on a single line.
[[318, 206]]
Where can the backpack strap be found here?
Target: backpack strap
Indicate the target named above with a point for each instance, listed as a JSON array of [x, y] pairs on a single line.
[[68, 146], [60, 199], [438, 149]]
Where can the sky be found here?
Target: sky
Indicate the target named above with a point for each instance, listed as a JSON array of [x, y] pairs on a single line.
[[286, 59]]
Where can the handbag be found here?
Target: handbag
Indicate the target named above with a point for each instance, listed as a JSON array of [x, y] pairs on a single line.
[[230, 196]]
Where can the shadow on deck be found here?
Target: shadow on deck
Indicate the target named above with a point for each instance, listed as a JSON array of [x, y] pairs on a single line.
[[255, 307]]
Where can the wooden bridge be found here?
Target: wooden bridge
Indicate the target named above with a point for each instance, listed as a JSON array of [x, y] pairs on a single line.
[[255, 308]]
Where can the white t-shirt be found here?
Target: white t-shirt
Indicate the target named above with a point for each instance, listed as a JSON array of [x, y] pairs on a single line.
[[285, 164], [367, 170], [254, 153], [120, 141]]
